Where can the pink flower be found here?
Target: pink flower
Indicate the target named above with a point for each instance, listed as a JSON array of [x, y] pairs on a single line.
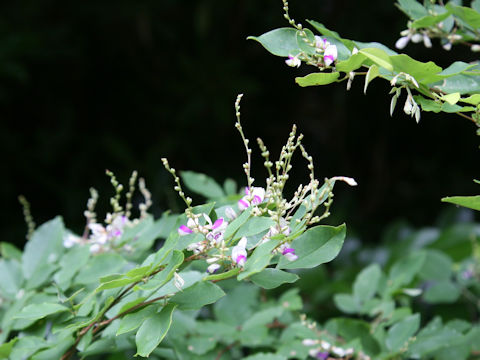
[[330, 55], [239, 253], [255, 195], [293, 61]]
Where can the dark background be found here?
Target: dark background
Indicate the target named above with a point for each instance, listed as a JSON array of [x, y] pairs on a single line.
[[86, 86]]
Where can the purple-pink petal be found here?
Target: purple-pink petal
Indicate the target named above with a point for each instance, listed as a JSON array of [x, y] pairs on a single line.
[[184, 230], [243, 204], [288, 251], [322, 355], [217, 223], [241, 259], [257, 199]]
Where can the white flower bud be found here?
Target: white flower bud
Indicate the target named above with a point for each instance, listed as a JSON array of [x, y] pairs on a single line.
[[426, 41], [309, 342], [402, 42], [416, 38], [475, 47]]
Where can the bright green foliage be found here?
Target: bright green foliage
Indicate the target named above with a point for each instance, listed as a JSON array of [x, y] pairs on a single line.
[[192, 286]]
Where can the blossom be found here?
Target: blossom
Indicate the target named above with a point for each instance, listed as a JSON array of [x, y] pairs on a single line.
[[71, 240], [330, 55], [350, 181], [99, 233], [178, 281], [254, 196], [318, 354], [402, 42], [213, 268], [293, 61], [239, 253], [426, 41], [230, 213], [193, 226], [288, 252], [321, 43], [115, 228]]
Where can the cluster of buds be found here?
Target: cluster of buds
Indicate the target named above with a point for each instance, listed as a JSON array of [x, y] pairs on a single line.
[[425, 35], [326, 54], [106, 237], [321, 349], [221, 251], [410, 107], [415, 37]]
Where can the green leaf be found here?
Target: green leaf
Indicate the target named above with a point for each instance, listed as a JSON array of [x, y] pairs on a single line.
[[116, 283], [271, 278], [437, 266], [366, 283], [372, 73], [462, 83], [237, 306], [259, 259], [404, 270], [235, 224], [352, 329], [133, 320], [11, 278], [317, 245], [379, 57], [27, 346], [74, 260], [346, 303], [442, 292], [319, 78], [352, 63], [400, 333], [466, 14], [331, 34], [6, 348], [254, 225], [291, 300], [455, 68], [56, 350], [39, 311], [198, 295], [263, 317], [419, 70], [452, 99], [471, 202], [45, 247], [158, 280], [153, 330], [224, 275], [431, 105], [428, 342], [429, 20], [99, 266], [412, 8], [473, 100], [280, 42], [202, 184], [10, 251]]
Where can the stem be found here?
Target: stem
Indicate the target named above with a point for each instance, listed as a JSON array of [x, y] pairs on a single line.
[[466, 117]]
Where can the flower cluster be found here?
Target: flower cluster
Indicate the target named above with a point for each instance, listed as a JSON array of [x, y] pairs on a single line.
[[222, 250], [213, 231], [328, 54], [324, 350], [106, 237]]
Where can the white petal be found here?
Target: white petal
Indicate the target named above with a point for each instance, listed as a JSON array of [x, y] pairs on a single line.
[[402, 42]]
